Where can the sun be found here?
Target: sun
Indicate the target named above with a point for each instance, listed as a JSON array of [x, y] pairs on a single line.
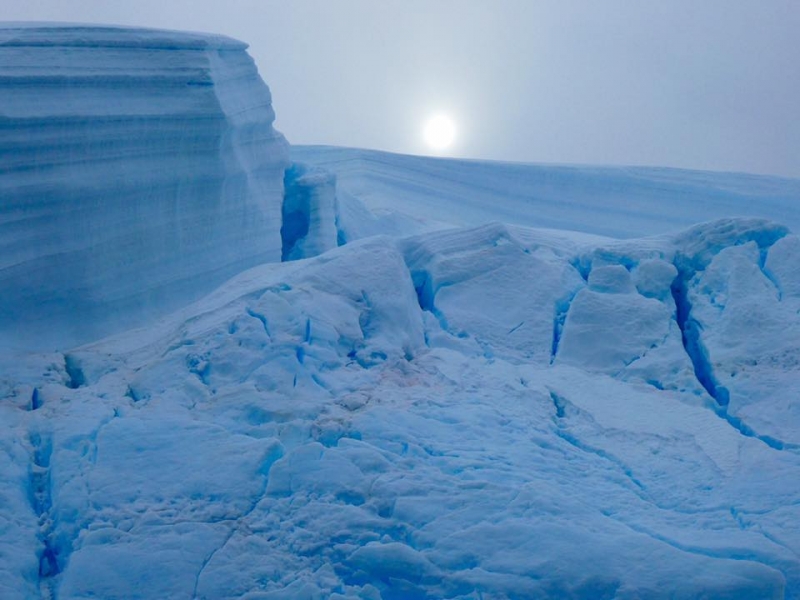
[[439, 132]]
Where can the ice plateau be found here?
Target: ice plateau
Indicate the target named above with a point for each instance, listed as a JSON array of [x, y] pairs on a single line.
[[465, 380]]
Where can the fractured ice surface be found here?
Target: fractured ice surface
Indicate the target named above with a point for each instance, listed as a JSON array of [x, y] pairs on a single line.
[[138, 170], [399, 419]]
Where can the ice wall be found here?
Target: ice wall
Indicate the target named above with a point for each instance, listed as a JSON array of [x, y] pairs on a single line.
[[138, 170]]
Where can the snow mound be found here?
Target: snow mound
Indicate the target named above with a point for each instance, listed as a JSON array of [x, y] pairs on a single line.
[[140, 170]]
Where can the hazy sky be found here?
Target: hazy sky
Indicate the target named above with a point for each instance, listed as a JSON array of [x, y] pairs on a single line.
[[709, 84]]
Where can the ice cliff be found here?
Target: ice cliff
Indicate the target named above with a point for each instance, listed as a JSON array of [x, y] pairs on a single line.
[[138, 170]]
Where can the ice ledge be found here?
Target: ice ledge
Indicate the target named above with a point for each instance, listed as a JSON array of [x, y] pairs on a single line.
[[110, 36]]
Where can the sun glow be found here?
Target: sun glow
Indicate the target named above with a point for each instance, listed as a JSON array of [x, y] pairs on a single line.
[[439, 132]]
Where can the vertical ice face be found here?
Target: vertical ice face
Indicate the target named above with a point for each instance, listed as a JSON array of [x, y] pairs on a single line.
[[309, 212], [138, 170]]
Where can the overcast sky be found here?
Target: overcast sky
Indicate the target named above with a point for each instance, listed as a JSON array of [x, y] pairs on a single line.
[[707, 84]]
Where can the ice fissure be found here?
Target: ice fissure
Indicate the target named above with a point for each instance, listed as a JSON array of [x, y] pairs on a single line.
[[74, 372], [691, 333], [426, 296], [561, 311], [237, 524], [563, 430], [769, 275], [738, 555], [36, 399], [41, 499], [692, 342], [209, 558], [558, 404]]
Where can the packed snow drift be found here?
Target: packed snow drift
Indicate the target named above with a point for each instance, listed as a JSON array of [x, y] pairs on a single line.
[[433, 396]]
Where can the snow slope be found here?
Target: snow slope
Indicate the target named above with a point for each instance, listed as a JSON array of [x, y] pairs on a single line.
[[138, 170], [411, 194], [453, 403]]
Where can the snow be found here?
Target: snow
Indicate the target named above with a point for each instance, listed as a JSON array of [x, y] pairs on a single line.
[[413, 194], [430, 398]]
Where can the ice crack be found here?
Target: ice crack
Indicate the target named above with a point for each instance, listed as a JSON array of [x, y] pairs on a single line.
[[748, 431], [732, 553], [74, 372], [262, 319], [762, 265], [703, 369], [560, 318], [211, 556], [561, 405], [693, 344], [40, 490], [274, 453], [36, 400]]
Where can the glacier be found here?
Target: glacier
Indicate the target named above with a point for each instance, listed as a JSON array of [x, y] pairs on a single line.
[[465, 380]]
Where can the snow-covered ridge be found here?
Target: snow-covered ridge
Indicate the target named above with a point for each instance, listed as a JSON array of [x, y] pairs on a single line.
[[138, 170]]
